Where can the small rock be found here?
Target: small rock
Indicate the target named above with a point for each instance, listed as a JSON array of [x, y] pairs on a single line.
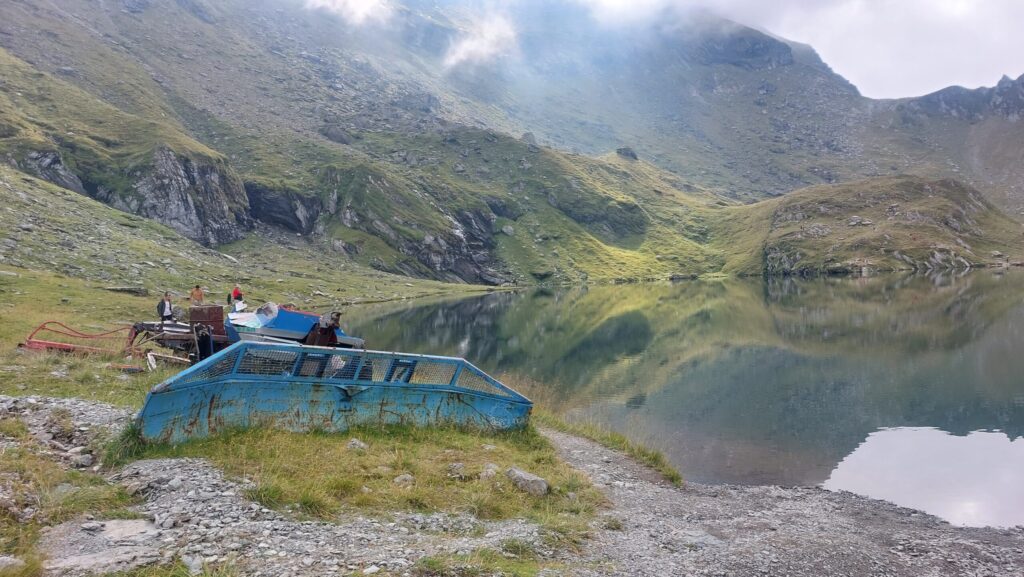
[[356, 445], [92, 526], [489, 472], [9, 565], [193, 564], [175, 483], [26, 226], [404, 480], [489, 447], [627, 152], [371, 570], [457, 470], [508, 230], [528, 482]]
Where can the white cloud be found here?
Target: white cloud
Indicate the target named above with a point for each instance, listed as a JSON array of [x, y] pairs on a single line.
[[355, 11], [888, 48], [487, 39]]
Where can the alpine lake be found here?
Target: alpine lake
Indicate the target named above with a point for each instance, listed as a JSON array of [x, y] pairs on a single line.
[[896, 387]]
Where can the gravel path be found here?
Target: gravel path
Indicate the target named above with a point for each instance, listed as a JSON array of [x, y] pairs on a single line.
[[192, 512], [767, 530]]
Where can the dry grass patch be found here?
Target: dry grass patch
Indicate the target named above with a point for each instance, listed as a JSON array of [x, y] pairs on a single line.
[[317, 474]]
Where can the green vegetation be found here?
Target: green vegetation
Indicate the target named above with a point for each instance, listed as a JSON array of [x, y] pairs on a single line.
[[483, 563]]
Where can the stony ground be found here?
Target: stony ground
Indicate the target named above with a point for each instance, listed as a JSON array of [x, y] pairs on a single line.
[[190, 511], [766, 530]]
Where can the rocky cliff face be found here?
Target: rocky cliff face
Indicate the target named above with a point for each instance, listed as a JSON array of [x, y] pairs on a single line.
[[200, 198], [459, 251], [49, 166]]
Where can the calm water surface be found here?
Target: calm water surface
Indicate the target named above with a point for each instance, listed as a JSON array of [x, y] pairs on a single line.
[[909, 389]]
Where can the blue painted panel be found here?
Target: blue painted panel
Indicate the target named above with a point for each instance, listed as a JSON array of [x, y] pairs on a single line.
[[302, 388]]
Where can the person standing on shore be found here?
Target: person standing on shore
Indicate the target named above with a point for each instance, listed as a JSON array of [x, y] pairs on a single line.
[[197, 295], [165, 309]]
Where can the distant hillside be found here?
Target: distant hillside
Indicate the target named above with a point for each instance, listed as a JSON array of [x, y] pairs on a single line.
[[888, 224], [221, 118]]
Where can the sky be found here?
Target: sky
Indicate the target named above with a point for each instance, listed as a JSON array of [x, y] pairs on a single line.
[[887, 48]]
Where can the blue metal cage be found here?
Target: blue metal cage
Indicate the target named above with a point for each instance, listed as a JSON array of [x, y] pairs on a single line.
[[304, 388]]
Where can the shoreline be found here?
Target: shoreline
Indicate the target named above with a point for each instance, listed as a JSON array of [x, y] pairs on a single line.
[[192, 512]]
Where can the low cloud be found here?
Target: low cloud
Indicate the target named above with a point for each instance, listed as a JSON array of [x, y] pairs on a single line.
[[487, 39], [355, 12], [887, 48]]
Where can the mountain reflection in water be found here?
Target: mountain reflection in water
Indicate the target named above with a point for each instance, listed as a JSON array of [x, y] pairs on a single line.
[[751, 381]]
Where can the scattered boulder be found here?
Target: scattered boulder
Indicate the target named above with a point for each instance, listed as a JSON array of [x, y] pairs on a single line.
[[457, 470], [355, 444], [627, 152], [83, 460], [489, 472], [132, 290], [508, 230], [335, 133], [527, 482]]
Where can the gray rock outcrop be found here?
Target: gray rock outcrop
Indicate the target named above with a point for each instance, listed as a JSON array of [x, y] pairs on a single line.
[[198, 197]]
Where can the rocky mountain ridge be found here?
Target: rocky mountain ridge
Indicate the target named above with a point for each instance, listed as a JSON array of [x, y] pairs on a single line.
[[211, 116]]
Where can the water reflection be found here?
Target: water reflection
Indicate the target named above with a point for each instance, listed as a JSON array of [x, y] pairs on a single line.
[[747, 381], [971, 480]]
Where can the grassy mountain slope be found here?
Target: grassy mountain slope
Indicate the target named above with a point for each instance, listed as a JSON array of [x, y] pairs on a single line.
[[56, 131], [51, 228]]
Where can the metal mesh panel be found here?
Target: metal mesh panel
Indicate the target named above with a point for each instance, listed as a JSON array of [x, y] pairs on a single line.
[[470, 380], [315, 365], [432, 373], [268, 363], [343, 367], [379, 371], [219, 369]]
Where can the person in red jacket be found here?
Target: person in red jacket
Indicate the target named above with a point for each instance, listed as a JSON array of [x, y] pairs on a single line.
[[236, 295]]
